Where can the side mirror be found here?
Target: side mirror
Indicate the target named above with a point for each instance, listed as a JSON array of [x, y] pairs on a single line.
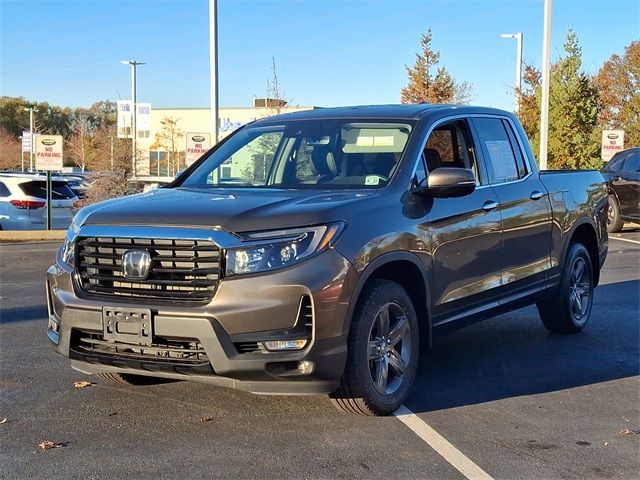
[[446, 182]]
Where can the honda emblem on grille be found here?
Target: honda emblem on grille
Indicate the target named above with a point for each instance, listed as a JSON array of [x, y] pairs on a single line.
[[136, 264]]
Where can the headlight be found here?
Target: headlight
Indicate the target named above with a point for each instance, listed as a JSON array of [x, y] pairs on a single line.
[[277, 249], [67, 251]]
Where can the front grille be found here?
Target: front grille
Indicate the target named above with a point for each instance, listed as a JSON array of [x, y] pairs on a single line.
[[186, 356], [182, 271]]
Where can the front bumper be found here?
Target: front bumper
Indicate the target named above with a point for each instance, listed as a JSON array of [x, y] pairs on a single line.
[[243, 311]]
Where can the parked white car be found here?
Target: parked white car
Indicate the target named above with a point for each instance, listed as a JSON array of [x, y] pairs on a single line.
[[23, 202]]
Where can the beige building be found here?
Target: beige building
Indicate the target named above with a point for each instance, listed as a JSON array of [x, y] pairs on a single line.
[[154, 159]]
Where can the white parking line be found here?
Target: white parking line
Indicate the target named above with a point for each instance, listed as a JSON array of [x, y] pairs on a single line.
[[440, 444], [624, 240]]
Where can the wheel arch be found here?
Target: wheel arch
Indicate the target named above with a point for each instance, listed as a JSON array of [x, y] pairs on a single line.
[[408, 271], [584, 232]]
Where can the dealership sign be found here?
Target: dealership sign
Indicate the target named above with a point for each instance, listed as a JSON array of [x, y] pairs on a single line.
[[197, 145], [48, 152], [612, 143], [124, 118], [26, 141]]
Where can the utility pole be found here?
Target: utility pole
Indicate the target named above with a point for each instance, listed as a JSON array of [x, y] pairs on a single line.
[[213, 66], [111, 157], [518, 37], [134, 114], [546, 67], [21, 153]]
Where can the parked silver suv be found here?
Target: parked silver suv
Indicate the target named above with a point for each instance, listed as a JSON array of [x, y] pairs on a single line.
[[23, 202]]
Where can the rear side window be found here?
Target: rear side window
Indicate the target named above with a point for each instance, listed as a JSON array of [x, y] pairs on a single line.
[[505, 161], [38, 189], [632, 163], [4, 191]]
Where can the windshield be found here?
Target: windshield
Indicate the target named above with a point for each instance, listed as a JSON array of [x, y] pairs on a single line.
[[306, 154]]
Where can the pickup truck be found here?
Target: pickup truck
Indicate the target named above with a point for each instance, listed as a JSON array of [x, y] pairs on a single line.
[[320, 252]]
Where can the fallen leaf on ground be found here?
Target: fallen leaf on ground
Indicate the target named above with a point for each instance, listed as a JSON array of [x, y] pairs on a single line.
[[629, 431], [204, 419], [47, 444], [4, 420], [82, 384]]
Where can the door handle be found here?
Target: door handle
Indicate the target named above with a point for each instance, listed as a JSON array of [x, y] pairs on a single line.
[[489, 205], [536, 195]]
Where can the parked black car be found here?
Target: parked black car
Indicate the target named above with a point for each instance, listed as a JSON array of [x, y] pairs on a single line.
[[622, 174]]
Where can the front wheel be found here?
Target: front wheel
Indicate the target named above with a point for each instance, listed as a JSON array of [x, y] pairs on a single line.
[[382, 352], [569, 310]]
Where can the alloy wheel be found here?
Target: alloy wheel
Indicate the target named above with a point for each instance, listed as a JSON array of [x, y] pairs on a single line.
[[389, 348], [579, 289]]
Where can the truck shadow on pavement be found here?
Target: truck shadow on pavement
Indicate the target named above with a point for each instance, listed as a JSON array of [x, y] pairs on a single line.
[[23, 314], [514, 355]]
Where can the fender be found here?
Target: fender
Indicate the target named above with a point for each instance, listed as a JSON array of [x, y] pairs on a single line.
[[372, 267], [567, 236]]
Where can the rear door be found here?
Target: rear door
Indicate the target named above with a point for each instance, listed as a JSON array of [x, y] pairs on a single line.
[[523, 205]]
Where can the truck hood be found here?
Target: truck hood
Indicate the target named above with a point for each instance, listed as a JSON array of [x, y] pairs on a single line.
[[234, 210]]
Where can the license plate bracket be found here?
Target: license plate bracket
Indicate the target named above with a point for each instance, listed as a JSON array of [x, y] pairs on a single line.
[[127, 325]]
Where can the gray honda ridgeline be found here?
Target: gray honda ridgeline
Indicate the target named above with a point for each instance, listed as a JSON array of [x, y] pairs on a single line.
[[320, 252]]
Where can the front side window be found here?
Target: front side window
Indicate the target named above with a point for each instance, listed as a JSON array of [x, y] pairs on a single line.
[[305, 154], [450, 145]]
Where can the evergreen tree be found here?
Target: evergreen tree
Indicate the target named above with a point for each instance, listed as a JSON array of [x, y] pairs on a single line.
[[573, 111], [426, 86]]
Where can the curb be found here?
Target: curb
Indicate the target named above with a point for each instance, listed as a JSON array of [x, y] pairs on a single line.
[[31, 235]]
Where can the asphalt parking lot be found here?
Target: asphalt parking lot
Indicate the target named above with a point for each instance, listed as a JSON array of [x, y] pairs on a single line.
[[511, 400]]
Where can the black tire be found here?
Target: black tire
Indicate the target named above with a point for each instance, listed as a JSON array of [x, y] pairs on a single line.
[[569, 310], [371, 351], [614, 221], [129, 379]]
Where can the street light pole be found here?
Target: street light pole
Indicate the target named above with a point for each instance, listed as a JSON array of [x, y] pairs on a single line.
[[518, 37], [134, 114], [21, 153], [546, 70], [213, 66]]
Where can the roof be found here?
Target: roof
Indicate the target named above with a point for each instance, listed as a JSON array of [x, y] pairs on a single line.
[[394, 111]]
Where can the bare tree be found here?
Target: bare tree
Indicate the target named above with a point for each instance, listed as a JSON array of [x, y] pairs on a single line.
[[171, 139], [81, 143], [10, 150]]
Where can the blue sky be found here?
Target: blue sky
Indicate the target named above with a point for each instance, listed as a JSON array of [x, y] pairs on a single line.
[[327, 52]]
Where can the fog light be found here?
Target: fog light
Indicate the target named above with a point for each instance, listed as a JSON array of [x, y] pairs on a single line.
[[305, 367], [280, 345]]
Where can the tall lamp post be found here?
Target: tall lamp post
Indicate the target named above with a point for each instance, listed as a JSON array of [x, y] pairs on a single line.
[[546, 72], [518, 37], [30, 110], [134, 131], [213, 66]]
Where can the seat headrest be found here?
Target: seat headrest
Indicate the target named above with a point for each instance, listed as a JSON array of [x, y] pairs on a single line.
[[322, 161]]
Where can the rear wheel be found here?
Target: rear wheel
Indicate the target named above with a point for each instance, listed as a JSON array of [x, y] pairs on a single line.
[[129, 379], [614, 222], [569, 310], [382, 352]]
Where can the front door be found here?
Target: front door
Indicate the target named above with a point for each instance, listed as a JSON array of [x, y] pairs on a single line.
[[465, 232]]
